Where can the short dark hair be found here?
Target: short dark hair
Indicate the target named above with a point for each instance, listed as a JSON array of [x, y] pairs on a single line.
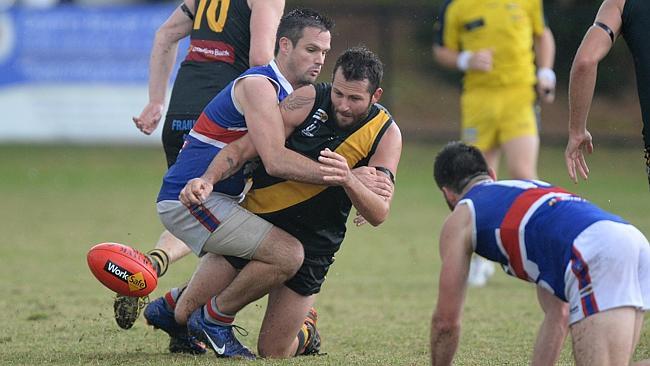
[[457, 164], [359, 63], [293, 23]]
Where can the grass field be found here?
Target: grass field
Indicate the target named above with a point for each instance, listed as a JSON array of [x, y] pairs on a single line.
[[375, 309]]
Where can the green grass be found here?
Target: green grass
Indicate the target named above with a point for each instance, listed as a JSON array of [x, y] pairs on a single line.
[[375, 309]]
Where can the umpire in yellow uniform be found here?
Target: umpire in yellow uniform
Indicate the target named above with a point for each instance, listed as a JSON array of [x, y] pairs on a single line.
[[505, 50]]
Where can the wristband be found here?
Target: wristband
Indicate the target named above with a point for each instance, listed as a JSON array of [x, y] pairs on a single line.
[[546, 74], [387, 172], [462, 62]]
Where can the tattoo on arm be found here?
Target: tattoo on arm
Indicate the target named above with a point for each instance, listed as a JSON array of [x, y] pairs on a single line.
[[293, 102], [233, 167]]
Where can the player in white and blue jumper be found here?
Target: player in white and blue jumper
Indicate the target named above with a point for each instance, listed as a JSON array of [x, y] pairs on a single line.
[[221, 122], [592, 268], [249, 105]]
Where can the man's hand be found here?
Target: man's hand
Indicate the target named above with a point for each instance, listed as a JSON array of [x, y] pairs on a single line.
[[574, 155], [149, 118], [336, 169], [359, 219], [481, 60], [195, 192], [379, 184], [546, 85]]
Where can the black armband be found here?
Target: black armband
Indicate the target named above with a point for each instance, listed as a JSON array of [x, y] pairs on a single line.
[[187, 11], [606, 28], [387, 172]]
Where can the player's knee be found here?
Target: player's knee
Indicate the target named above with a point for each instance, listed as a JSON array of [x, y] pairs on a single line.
[[297, 250], [290, 252], [282, 251], [272, 350], [564, 314], [292, 257], [297, 255]]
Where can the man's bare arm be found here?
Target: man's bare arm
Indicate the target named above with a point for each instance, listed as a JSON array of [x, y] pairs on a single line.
[[265, 17], [233, 157], [544, 59], [258, 99], [163, 56], [230, 159], [545, 49], [226, 163], [455, 253], [480, 60], [553, 330], [372, 206], [594, 47], [295, 108]]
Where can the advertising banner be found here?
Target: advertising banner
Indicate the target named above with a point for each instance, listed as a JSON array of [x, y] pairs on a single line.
[[77, 74]]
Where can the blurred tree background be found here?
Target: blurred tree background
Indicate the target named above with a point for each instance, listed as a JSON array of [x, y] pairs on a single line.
[[424, 97]]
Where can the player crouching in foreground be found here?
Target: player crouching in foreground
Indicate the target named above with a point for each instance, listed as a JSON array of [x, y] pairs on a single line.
[[575, 252], [341, 125]]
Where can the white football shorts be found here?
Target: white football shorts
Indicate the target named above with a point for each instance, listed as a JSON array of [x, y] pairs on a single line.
[[609, 268]]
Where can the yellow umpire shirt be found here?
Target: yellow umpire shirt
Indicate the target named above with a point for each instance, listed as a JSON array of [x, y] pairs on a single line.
[[506, 27], [496, 106]]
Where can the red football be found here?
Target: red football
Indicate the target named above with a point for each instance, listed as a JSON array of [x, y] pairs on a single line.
[[122, 269]]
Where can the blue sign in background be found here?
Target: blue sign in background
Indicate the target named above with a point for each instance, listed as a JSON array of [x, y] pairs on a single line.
[[81, 44]]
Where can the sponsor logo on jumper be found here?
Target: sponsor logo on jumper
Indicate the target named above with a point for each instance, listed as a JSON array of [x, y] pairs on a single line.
[[309, 130], [555, 200], [210, 51], [319, 117], [182, 124]]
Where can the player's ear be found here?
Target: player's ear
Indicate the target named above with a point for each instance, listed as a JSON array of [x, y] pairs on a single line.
[[450, 196], [445, 192], [376, 95], [284, 45]]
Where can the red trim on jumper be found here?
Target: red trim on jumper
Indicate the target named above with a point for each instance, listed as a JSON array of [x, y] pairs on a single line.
[[206, 127], [510, 226]]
